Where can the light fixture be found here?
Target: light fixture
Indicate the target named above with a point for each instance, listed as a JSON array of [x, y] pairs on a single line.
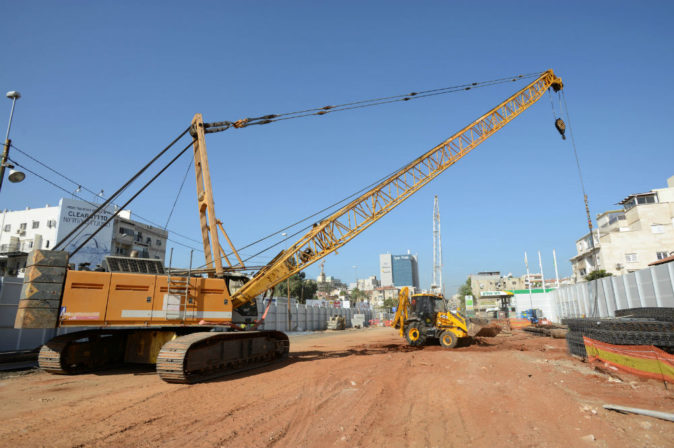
[[16, 176]]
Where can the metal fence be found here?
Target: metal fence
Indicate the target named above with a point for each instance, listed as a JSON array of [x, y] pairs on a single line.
[[650, 287], [305, 317]]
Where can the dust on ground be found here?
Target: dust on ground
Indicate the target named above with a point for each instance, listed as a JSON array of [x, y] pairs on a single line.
[[354, 388]]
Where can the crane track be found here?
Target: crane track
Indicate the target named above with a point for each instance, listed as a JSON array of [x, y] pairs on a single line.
[[82, 351], [206, 355]]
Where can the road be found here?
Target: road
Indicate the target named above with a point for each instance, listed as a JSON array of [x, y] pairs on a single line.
[[354, 388]]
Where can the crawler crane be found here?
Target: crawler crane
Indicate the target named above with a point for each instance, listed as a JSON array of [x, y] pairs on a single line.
[[174, 321]]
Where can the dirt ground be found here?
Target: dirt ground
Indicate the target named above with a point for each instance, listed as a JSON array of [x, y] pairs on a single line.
[[354, 388]]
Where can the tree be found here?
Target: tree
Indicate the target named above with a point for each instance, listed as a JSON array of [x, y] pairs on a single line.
[[300, 288], [599, 273], [464, 290], [357, 295], [390, 303]]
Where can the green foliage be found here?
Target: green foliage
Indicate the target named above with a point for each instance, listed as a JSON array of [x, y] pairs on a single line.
[[599, 273], [300, 288], [465, 290], [390, 303], [357, 295]]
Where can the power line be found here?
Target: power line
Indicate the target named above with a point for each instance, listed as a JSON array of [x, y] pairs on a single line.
[[123, 187], [79, 185], [82, 199]]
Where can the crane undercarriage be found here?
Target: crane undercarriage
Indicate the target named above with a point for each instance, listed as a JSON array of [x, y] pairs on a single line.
[[182, 354]]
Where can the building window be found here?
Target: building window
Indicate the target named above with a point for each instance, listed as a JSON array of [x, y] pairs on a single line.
[[8, 227], [158, 242], [148, 240], [662, 255], [30, 244], [23, 226], [582, 272], [36, 224], [46, 244], [51, 223], [657, 228], [631, 258]]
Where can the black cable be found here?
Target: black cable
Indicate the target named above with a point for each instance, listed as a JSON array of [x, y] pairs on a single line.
[[147, 184], [84, 187], [189, 165], [82, 199], [265, 119], [121, 189]]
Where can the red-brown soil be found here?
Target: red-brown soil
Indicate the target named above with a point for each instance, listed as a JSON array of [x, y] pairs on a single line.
[[354, 388]]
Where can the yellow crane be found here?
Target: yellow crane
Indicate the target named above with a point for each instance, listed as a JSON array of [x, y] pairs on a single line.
[[173, 321]]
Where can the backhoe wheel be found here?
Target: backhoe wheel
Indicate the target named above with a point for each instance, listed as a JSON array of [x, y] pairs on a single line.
[[414, 336], [448, 339]]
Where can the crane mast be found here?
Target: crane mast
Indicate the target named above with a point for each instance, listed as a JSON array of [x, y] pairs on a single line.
[[437, 286], [331, 233]]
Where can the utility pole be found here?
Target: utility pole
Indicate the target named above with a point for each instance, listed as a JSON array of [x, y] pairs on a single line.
[[554, 258], [14, 176], [526, 262], [540, 265], [437, 285]]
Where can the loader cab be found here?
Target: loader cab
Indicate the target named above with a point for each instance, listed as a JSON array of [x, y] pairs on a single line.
[[426, 306]]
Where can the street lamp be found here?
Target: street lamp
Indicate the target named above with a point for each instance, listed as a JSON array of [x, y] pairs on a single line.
[[14, 176]]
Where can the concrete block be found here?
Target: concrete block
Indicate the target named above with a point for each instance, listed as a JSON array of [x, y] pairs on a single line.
[[40, 303], [44, 274], [54, 258], [36, 318], [41, 291]]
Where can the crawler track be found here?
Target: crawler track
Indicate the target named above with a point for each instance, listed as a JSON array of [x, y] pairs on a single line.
[[202, 356], [82, 351]]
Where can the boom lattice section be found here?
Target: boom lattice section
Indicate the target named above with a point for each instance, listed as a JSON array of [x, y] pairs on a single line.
[[339, 228]]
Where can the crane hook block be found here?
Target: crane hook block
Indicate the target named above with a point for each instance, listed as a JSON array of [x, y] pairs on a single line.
[[561, 127]]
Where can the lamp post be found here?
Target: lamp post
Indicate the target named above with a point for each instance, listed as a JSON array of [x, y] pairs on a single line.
[[14, 176]]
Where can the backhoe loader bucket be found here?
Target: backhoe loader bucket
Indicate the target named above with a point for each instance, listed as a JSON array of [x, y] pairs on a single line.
[[482, 327]]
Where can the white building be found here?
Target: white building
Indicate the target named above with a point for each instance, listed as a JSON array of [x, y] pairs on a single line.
[[386, 269], [43, 228], [628, 240], [368, 284]]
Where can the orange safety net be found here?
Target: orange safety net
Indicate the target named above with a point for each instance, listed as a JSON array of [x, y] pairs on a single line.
[[519, 323], [642, 360]]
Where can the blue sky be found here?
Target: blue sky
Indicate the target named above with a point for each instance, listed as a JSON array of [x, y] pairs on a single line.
[[107, 84]]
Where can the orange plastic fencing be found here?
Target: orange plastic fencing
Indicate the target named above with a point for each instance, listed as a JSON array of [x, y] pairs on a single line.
[[519, 323], [642, 360]]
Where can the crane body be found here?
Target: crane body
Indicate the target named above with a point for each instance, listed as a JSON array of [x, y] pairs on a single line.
[[175, 320]]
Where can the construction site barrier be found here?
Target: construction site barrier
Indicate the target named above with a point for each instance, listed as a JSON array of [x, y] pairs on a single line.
[[519, 323], [643, 360]]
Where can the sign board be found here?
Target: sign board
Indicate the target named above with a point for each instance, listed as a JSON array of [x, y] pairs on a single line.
[[73, 212], [469, 302], [495, 293]]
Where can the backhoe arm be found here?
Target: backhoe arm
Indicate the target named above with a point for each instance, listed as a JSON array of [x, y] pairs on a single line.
[[339, 228]]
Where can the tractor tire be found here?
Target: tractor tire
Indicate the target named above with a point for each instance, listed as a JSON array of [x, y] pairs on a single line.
[[414, 336], [448, 339]]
